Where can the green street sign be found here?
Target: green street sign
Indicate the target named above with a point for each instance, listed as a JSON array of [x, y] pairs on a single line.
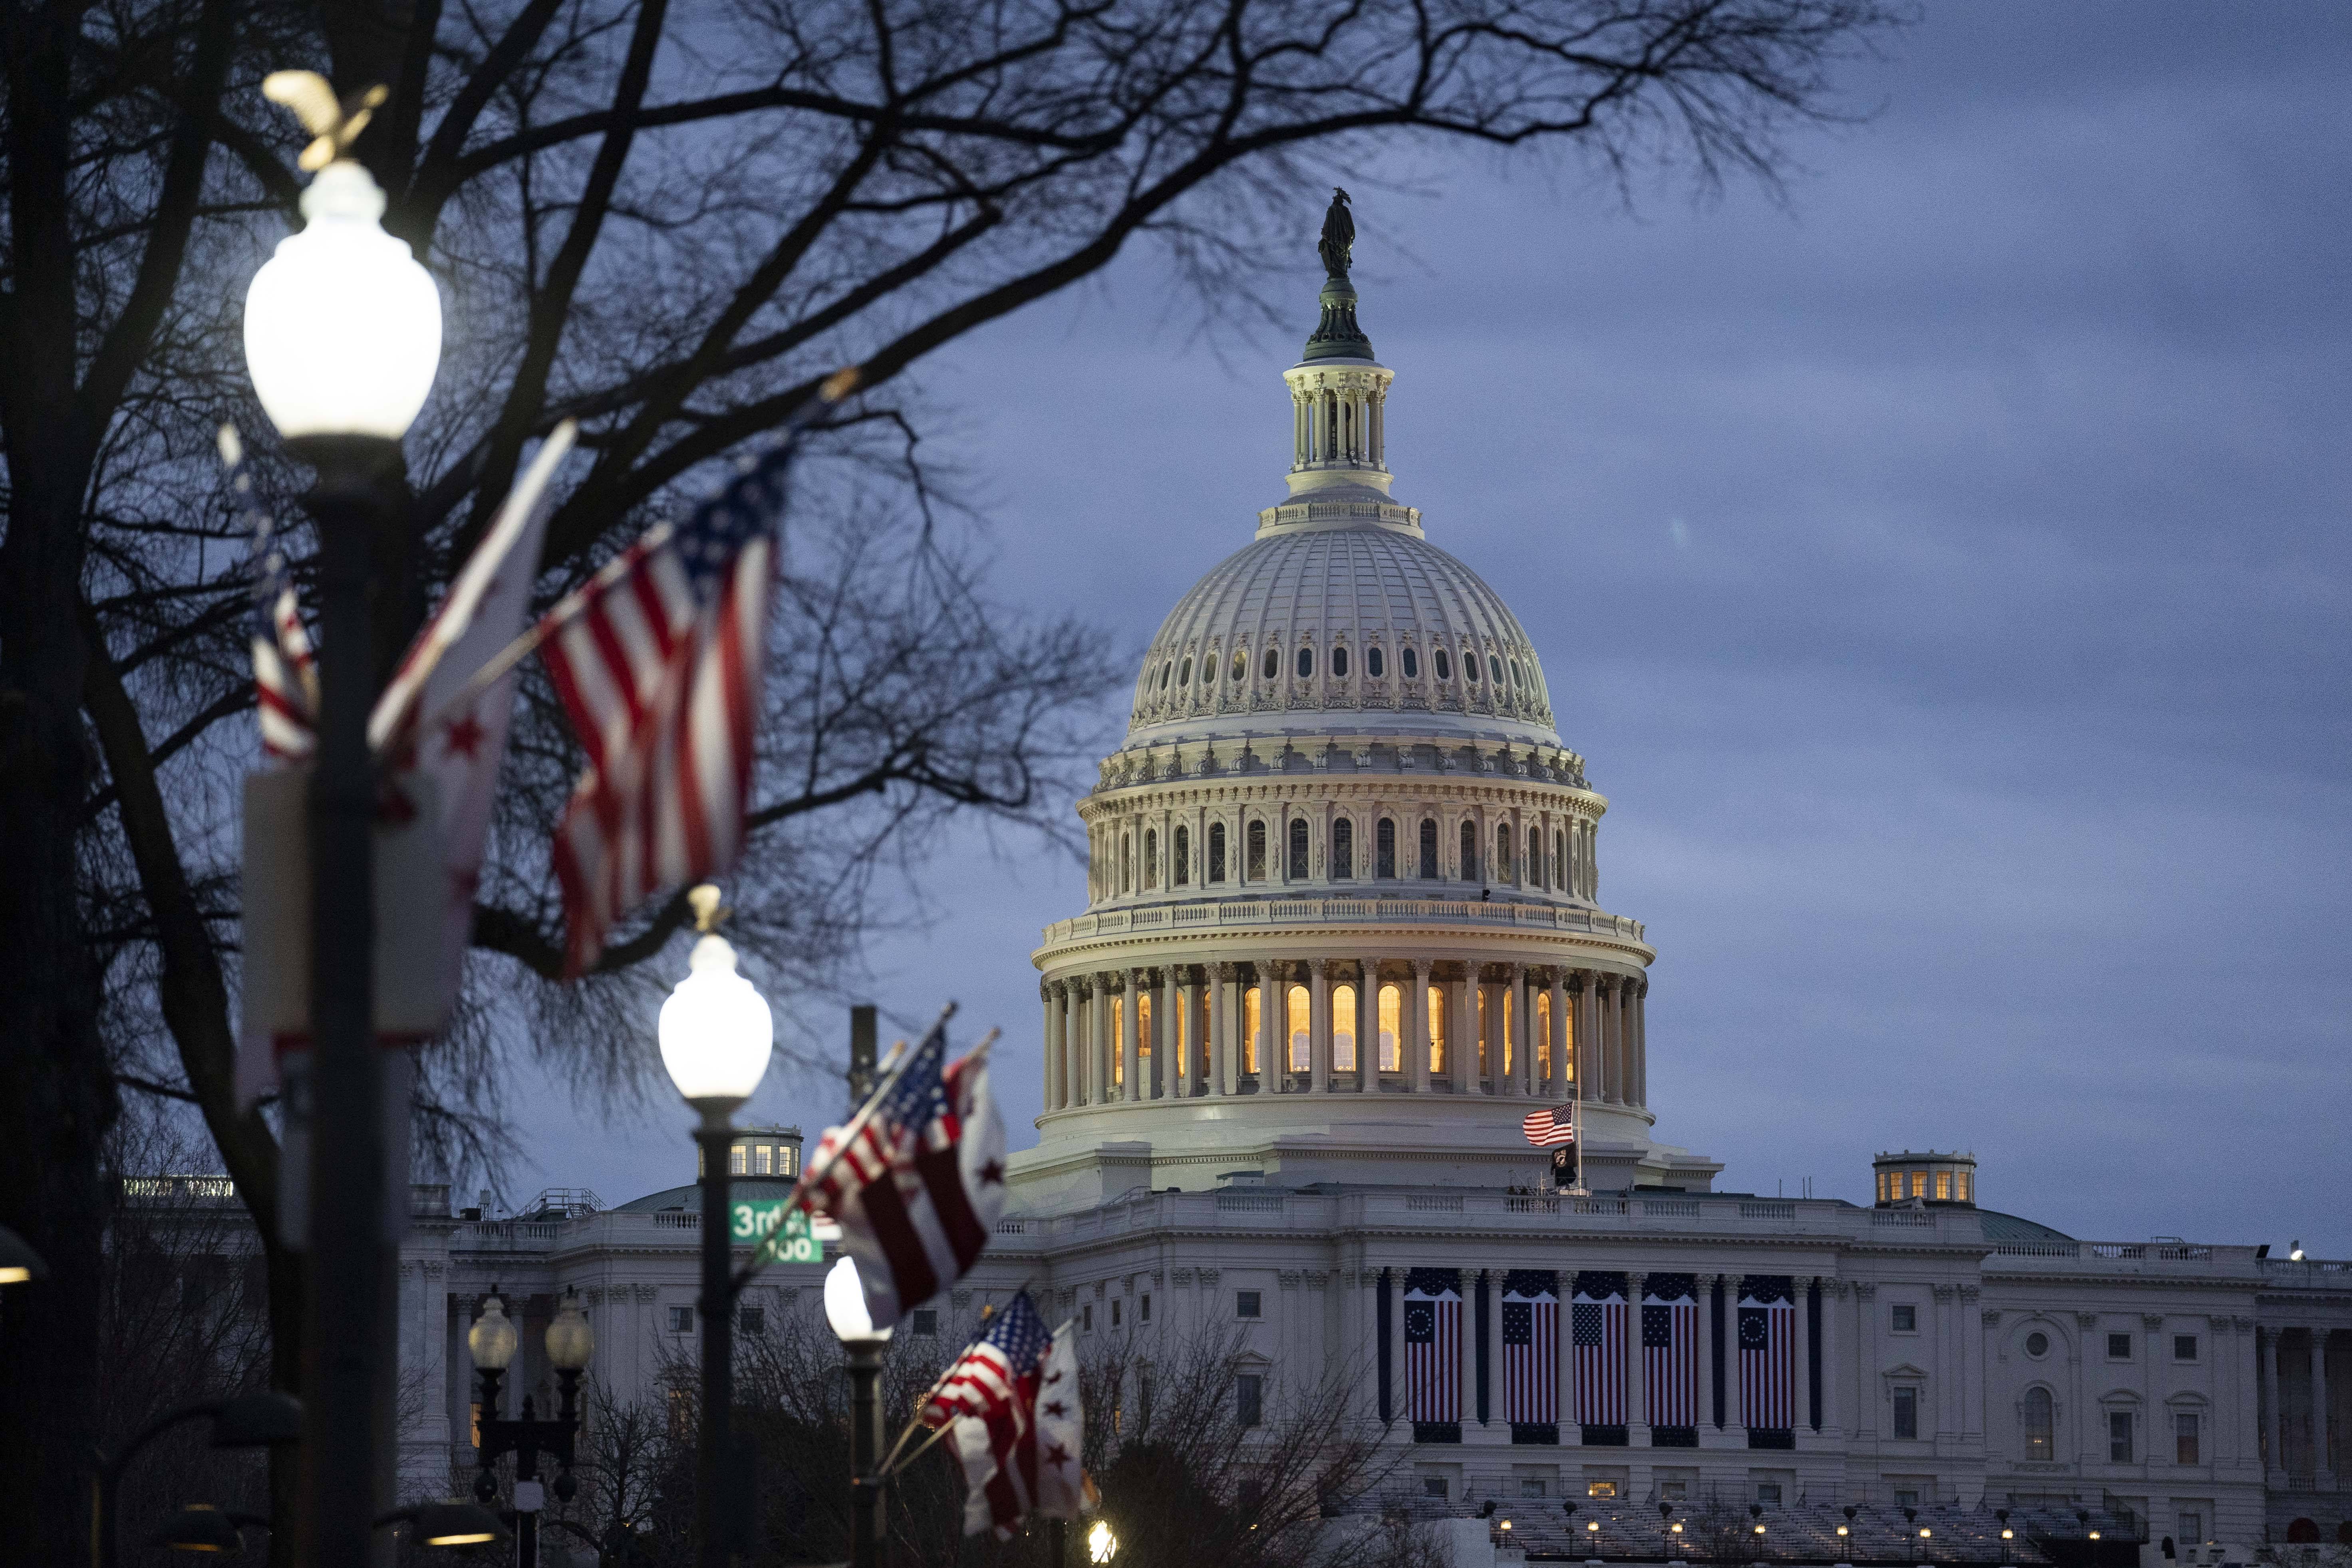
[[782, 1234]]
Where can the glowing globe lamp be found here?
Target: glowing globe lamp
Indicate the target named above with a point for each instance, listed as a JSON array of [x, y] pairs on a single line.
[[716, 1031]]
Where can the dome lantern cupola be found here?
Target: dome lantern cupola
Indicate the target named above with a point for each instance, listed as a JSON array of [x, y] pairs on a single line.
[[1339, 393]]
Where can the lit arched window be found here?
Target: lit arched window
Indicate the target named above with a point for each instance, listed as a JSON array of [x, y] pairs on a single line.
[[1429, 848], [1391, 1030], [1411, 664], [1340, 663], [1343, 1029], [1273, 663], [1181, 873], [1343, 849], [1299, 1014], [1151, 858], [1254, 850], [1543, 1034], [1216, 852], [1306, 663], [1469, 852], [1444, 665], [1372, 666], [1503, 862], [1241, 665], [2041, 1423], [1298, 849], [1384, 848]]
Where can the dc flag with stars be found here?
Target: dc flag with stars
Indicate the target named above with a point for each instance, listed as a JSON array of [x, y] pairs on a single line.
[[657, 662], [916, 1179]]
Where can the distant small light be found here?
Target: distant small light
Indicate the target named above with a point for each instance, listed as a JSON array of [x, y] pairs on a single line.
[[2094, 1535], [1595, 1526], [1925, 1533], [2009, 1535], [1759, 1530], [1843, 1531]]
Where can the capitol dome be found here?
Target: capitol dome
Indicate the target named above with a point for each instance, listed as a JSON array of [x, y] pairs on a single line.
[[1343, 916]]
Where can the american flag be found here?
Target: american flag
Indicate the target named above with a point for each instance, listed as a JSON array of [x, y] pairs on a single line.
[[1670, 1349], [990, 1394], [916, 1179], [1552, 1124], [657, 662], [1768, 1353], [285, 674], [1432, 1346], [1530, 1348], [1597, 1335]]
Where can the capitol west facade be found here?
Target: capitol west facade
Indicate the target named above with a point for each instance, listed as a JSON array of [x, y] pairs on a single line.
[[1344, 928]]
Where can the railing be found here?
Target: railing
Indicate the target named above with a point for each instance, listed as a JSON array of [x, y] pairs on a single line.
[[1914, 1219], [2037, 1248], [1012, 1227], [2185, 1254], [2116, 1249], [681, 1219], [208, 1188], [1767, 1208], [1427, 1204], [1258, 1202], [1670, 1207], [1531, 1205], [1597, 1205], [1332, 911]]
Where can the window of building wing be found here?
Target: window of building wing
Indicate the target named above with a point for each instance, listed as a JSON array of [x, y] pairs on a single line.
[[1299, 1016], [1180, 870], [1249, 1400], [2119, 1436], [1505, 862], [1343, 849], [1151, 858], [1343, 1029], [2185, 1446], [1298, 849], [1384, 848], [2040, 1418], [1391, 1030], [1469, 852], [1216, 852], [1907, 1413], [1429, 848], [1253, 852]]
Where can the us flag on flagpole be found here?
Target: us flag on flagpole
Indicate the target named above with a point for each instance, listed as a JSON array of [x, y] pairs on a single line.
[[285, 672], [1552, 1124], [916, 1179], [658, 661], [1768, 1353], [1597, 1333], [1432, 1346], [991, 1394], [1530, 1348], [1670, 1349]]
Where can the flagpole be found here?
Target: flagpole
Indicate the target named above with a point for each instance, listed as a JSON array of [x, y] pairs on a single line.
[[986, 1312], [812, 1175]]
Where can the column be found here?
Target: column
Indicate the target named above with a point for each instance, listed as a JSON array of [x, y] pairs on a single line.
[[1465, 1031], [1642, 1042], [1050, 991], [1580, 1030], [1416, 1026], [1172, 1025], [1612, 1073], [1221, 1030], [1130, 983], [1702, 1287], [1092, 1013], [1637, 1392], [1832, 1304], [2319, 1464], [1735, 1420], [1319, 1025], [1273, 979], [1572, 1433], [2273, 1429], [1367, 1032], [1800, 1298], [1521, 1032]]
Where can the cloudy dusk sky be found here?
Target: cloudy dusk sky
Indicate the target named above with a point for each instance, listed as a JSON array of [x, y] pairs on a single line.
[[1944, 571]]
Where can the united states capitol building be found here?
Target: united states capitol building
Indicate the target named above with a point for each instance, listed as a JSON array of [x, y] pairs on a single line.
[[1344, 927]]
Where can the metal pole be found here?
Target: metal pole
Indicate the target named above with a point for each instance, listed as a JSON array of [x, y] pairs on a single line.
[[1057, 1548], [346, 1350], [716, 1139], [864, 1453], [526, 1519]]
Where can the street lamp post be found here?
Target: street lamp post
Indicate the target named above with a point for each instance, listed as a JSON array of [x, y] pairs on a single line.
[[249, 1421], [853, 1325], [492, 1340], [343, 336], [716, 1036]]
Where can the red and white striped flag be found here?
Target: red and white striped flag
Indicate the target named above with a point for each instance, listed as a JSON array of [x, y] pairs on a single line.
[[285, 672], [1597, 1331], [1432, 1346], [1530, 1348], [657, 660], [1768, 1353], [916, 1179], [1550, 1125], [1670, 1349], [995, 1394]]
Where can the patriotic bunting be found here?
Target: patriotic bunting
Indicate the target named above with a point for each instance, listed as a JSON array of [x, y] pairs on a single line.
[[1531, 1349], [1767, 1352], [1670, 1352], [1432, 1346], [1597, 1331]]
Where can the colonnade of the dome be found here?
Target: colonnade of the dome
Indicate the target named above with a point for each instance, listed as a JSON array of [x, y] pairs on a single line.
[[1318, 1025]]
